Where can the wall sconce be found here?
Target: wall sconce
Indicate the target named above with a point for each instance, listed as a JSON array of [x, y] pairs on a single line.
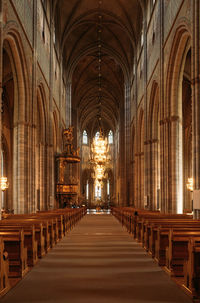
[[190, 184], [4, 183]]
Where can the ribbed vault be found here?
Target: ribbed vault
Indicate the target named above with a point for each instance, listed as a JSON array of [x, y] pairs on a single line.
[[77, 24]]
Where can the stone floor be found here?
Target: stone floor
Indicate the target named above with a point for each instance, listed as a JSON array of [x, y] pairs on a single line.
[[98, 262]]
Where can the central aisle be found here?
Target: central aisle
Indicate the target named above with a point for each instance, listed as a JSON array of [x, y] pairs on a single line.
[[98, 262]]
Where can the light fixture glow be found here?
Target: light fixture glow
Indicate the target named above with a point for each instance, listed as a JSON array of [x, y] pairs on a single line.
[[4, 183], [190, 184]]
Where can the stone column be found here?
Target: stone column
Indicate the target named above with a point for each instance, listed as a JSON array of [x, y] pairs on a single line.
[[1, 89], [163, 125], [68, 107], [195, 83], [42, 177], [175, 204], [142, 180], [136, 170], [152, 173], [165, 166], [127, 143], [32, 190], [50, 157], [135, 158], [33, 113], [19, 168], [121, 159], [51, 178], [148, 171], [145, 157]]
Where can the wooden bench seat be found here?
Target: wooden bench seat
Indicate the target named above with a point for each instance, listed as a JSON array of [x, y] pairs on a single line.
[[144, 224], [177, 252], [58, 223], [150, 233], [17, 253], [172, 240], [39, 233], [192, 268], [48, 232], [4, 270], [27, 237], [29, 241]]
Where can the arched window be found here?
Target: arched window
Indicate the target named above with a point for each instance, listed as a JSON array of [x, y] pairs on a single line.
[[97, 191], [85, 137], [97, 135], [108, 187], [110, 137]]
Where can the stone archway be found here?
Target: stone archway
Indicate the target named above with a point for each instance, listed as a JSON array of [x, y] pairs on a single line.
[[16, 86], [175, 119]]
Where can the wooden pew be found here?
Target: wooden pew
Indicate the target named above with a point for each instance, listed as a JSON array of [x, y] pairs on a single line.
[[147, 220], [177, 252], [191, 280], [162, 246], [50, 226], [39, 233], [29, 241], [36, 220], [17, 253], [149, 234], [173, 240], [4, 270]]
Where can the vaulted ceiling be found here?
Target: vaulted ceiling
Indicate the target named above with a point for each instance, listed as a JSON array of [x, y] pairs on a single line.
[[77, 29]]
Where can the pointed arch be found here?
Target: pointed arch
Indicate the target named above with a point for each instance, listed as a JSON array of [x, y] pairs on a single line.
[[173, 112], [13, 46]]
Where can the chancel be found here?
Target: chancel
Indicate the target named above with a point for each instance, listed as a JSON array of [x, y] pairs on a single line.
[[100, 151]]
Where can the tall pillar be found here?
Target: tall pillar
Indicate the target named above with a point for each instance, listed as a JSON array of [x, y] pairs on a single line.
[[175, 204], [127, 180], [195, 83], [19, 170], [146, 145], [135, 177], [121, 160], [42, 178], [163, 123], [68, 105], [50, 157], [1, 84], [32, 130], [153, 174]]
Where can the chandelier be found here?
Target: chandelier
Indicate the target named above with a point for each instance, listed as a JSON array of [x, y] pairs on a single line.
[[190, 184], [4, 183], [99, 148], [99, 172]]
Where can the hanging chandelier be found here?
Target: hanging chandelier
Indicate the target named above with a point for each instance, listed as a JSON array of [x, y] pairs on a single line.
[[4, 183], [99, 148], [99, 172]]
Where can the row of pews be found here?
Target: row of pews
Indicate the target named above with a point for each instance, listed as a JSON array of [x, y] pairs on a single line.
[[173, 240], [26, 238]]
